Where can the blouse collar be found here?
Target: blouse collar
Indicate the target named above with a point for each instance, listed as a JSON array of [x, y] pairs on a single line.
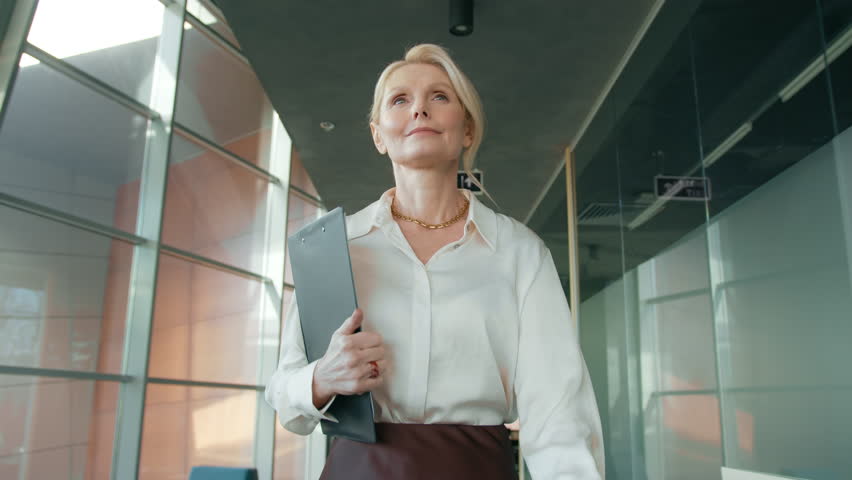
[[378, 215]]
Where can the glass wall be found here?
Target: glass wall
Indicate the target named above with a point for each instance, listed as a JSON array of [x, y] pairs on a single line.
[[86, 168], [717, 324]]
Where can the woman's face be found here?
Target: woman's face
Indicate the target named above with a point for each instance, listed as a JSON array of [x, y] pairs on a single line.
[[421, 120]]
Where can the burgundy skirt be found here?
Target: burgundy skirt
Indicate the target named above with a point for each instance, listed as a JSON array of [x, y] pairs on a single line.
[[412, 452]]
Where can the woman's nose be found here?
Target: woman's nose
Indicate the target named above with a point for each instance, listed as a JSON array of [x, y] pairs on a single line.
[[420, 109]]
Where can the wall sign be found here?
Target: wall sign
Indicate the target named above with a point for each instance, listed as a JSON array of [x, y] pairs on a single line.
[[682, 188], [463, 181]]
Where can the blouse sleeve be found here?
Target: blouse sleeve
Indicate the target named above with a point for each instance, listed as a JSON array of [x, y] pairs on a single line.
[[289, 390], [560, 433]]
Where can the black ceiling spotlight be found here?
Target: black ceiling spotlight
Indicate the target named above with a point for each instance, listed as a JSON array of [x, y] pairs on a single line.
[[461, 17]]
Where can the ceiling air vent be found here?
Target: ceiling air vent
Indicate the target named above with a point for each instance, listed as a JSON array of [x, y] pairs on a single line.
[[608, 214]]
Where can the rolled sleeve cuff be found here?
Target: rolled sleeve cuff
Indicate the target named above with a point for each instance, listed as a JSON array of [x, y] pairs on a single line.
[[301, 391]]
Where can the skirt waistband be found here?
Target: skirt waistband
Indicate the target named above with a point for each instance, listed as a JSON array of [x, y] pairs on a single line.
[[421, 451]]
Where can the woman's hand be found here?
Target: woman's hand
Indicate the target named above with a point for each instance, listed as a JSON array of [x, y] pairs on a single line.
[[346, 367]]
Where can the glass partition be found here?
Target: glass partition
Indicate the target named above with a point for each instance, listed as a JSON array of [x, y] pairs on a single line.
[[719, 327]]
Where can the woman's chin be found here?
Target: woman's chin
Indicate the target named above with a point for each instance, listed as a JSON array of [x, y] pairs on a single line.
[[426, 161]]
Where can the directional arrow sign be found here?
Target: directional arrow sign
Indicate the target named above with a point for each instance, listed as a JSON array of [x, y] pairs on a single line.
[[463, 181]]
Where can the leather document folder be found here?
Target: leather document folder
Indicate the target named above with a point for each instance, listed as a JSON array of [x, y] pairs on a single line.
[[325, 295]]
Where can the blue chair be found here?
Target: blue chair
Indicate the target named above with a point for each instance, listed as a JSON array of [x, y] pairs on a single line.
[[222, 473]]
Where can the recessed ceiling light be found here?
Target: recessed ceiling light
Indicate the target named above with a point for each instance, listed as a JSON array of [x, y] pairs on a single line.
[[327, 126]]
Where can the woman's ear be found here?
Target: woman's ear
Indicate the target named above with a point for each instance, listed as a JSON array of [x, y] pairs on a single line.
[[377, 139], [468, 134]]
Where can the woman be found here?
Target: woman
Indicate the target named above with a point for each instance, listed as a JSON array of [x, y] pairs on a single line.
[[465, 325]]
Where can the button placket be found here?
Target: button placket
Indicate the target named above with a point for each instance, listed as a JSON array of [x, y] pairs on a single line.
[[421, 341]]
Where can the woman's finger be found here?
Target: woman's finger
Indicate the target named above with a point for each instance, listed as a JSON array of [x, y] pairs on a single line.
[[366, 339], [368, 384], [352, 323], [366, 370], [373, 354]]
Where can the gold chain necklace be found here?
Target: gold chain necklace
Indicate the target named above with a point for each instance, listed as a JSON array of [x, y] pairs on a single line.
[[430, 226]]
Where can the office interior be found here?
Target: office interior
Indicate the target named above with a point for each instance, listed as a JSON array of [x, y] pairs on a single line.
[[156, 154]]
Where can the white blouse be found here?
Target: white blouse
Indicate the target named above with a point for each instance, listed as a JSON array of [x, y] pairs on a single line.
[[479, 335]]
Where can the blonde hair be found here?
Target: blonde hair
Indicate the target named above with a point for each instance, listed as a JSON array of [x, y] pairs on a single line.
[[430, 54]]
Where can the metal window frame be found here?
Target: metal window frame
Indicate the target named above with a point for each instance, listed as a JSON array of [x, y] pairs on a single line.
[[573, 242], [75, 221], [85, 224], [275, 248], [130, 411], [211, 263], [204, 142], [216, 38], [63, 373], [90, 81], [160, 110], [12, 43], [201, 384], [315, 201]]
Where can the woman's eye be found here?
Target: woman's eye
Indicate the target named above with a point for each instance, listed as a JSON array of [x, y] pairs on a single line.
[[441, 96], [397, 100]]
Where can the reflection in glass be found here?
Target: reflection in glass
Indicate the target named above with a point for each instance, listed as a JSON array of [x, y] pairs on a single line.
[[680, 365], [206, 324], [214, 207], [778, 260], [658, 135], [289, 454], [682, 437], [781, 277], [56, 428], [63, 295], [764, 104], [603, 291], [220, 98], [49, 156], [796, 433], [189, 426], [837, 24], [212, 18], [112, 40], [751, 289]]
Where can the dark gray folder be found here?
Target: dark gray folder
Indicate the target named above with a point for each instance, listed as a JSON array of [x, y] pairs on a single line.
[[325, 295]]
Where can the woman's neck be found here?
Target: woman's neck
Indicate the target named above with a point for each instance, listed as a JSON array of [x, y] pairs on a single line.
[[430, 196]]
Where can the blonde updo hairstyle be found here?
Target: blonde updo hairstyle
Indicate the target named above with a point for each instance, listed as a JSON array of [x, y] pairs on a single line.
[[427, 53]]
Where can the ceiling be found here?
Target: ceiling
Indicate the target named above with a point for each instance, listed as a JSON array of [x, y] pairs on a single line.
[[553, 74], [540, 67]]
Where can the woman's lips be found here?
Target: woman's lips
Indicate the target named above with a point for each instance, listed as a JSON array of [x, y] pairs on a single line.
[[422, 130]]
